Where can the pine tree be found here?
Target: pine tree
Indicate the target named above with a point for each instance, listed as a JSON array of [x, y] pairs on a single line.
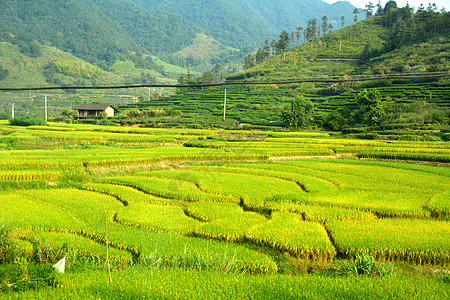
[[308, 36], [324, 24], [330, 27], [369, 10], [314, 28], [283, 43], [311, 30], [249, 61], [217, 72], [260, 56], [273, 44], [266, 49], [292, 43], [380, 12], [208, 78], [355, 12], [299, 34]]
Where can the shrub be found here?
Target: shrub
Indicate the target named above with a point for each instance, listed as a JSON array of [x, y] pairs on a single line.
[[105, 122], [26, 121], [22, 276], [365, 265], [446, 278], [370, 106], [6, 249], [299, 115], [445, 137], [368, 136]]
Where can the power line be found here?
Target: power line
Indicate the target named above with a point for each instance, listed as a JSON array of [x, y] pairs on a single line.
[[230, 82]]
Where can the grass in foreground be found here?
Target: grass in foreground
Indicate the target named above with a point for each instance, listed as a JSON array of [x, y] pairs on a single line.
[[139, 283]]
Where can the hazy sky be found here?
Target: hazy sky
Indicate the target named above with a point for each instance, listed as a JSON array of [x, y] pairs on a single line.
[[400, 3]]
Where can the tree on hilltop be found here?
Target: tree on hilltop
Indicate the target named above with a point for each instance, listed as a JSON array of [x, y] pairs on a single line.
[[355, 12], [249, 61], [266, 49], [208, 78], [217, 74], [299, 34], [283, 43], [324, 24], [369, 10], [390, 6]]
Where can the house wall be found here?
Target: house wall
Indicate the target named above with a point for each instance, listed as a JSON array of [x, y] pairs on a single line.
[[83, 114], [109, 112]]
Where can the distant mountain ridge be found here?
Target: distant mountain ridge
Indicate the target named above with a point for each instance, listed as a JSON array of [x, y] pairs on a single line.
[[95, 30], [247, 23], [191, 34]]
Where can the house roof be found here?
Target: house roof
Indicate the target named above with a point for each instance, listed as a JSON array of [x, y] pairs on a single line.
[[92, 107]]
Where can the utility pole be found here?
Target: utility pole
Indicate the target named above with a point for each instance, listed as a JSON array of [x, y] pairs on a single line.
[[149, 94], [45, 108], [12, 111], [225, 105]]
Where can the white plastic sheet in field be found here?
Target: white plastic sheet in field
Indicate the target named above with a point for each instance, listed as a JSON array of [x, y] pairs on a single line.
[[60, 265]]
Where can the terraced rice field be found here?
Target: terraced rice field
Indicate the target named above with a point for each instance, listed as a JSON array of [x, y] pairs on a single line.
[[224, 196]]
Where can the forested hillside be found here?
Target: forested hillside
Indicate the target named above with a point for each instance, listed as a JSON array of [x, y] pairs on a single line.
[[116, 36], [392, 40], [247, 23], [144, 35], [100, 32]]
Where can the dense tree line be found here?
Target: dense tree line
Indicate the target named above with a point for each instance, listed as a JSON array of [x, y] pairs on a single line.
[[287, 41], [372, 108], [407, 26], [216, 75]]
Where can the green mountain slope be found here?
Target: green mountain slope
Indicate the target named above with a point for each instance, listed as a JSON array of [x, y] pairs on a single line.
[[97, 31], [413, 43], [27, 70], [336, 53], [370, 47], [105, 31], [50, 66], [247, 23], [204, 53]]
